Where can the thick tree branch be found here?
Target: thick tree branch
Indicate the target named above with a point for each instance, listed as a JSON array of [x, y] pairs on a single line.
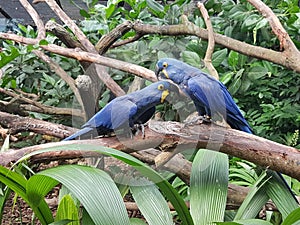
[[180, 137], [286, 59], [15, 124], [86, 56]]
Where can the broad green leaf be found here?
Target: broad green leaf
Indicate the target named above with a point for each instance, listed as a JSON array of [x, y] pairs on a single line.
[[37, 187], [254, 200], [67, 210], [218, 57], [167, 189], [292, 218], [7, 58], [17, 183], [95, 190], [209, 185], [280, 194], [257, 72], [246, 222], [250, 22], [151, 203], [191, 58]]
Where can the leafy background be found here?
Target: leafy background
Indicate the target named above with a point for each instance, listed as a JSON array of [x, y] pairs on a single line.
[[268, 94]]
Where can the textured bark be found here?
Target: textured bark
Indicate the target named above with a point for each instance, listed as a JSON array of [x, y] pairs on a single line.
[[176, 137]]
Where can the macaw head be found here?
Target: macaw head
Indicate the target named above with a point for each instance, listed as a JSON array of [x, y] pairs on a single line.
[[172, 69], [165, 88]]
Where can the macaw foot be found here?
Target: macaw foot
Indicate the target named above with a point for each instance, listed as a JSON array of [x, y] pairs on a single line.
[[138, 127], [197, 120]]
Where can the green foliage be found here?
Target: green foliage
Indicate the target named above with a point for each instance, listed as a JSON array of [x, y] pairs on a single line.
[[267, 93]]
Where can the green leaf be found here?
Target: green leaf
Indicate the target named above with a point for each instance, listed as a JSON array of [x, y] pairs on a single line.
[[110, 10], [43, 42], [7, 58], [191, 58], [157, 8], [254, 200], [37, 187], [151, 203], [17, 183], [137, 221], [167, 189], [226, 78], [67, 210], [257, 72], [280, 194], [246, 222], [61, 222], [218, 57], [84, 13], [292, 218], [95, 190], [233, 58], [209, 185]]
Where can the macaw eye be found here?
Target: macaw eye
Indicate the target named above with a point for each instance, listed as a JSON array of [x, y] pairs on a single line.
[[160, 87], [165, 64]]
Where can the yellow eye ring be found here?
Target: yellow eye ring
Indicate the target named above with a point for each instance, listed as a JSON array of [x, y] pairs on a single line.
[[160, 87], [165, 64]]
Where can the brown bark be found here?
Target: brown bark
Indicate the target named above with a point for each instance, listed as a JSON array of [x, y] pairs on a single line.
[[173, 136]]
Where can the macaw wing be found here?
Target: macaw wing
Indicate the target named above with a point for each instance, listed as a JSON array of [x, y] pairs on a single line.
[[216, 99], [206, 92], [115, 114]]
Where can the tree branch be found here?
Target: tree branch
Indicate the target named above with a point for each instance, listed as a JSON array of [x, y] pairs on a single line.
[[211, 42], [17, 124], [286, 59], [41, 108], [179, 137]]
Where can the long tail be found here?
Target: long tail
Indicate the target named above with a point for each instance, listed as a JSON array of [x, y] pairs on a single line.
[[79, 133]]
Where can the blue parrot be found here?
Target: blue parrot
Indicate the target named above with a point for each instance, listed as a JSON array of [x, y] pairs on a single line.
[[211, 98], [127, 111]]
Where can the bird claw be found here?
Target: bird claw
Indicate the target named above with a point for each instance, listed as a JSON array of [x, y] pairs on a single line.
[[197, 120]]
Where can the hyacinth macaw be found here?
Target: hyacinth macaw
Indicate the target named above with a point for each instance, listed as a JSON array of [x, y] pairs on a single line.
[[211, 98], [209, 95], [125, 112]]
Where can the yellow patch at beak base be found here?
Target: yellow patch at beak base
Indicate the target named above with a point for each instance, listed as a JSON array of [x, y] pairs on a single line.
[[164, 94], [165, 73]]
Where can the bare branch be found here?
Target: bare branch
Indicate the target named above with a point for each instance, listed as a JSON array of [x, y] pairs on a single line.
[[42, 108], [107, 40], [287, 59], [36, 18], [284, 38], [62, 74], [86, 56], [17, 124], [211, 42]]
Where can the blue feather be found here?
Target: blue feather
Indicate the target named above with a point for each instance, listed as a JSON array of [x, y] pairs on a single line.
[[209, 95], [126, 111]]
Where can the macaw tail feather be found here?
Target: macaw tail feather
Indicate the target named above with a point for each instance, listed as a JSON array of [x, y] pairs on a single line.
[[79, 133]]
